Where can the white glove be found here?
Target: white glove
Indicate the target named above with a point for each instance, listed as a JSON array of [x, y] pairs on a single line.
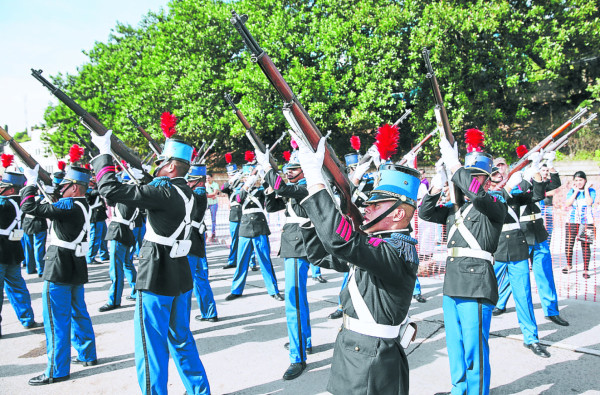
[[262, 159], [439, 180], [549, 157], [360, 170], [530, 172], [102, 142], [410, 160], [260, 170], [49, 189], [535, 159], [514, 180], [373, 152], [236, 177], [250, 181], [136, 173], [311, 162], [449, 154], [147, 168], [31, 174]]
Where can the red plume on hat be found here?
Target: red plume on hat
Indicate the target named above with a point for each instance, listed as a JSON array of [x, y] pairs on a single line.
[[474, 139], [228, 157], [287, 155], [387, 141], [76, 153], [194, 154], [521, 151], [249, 156], [124, 163], [355, 142], [7, 160], [294, 144], [61, 165], [88, 166], [167, 124]]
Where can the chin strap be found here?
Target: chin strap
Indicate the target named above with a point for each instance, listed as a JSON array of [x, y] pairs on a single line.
[[381, 216]]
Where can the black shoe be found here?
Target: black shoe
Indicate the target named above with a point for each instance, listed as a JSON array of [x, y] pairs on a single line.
[[96, 262], [278, 297], [335, 315], [78, 361], [319, 279], [537, 350], [254, 268], [557, 320], [229, 267], [496, 312], [294, 371], [129, 297], [232, 297], [211, 319], [108, 307], [40, 275], [42, 379], [33, 325], [287, 347], [419, 298]]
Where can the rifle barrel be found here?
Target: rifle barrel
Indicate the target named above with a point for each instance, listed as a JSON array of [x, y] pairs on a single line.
[[25, 157]]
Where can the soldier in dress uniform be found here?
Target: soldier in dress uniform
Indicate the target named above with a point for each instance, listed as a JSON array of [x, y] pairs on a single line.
[[11, 250], [66, 319], [532, 224], [254, 237], [368, 356], [511, 264], [287, 196], [235, 209], [470, 289], [197, 256], [98, 228], [164, 282], [121, 239]]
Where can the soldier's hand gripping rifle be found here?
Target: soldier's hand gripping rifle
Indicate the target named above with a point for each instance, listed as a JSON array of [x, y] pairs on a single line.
[[201, 160], [254, 139], [116, 144], [88, 148], [415, 150], [443, 124], [298, 118], [154, 146]]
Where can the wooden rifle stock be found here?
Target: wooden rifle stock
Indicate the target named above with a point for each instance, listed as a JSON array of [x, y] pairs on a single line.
[[26, 157], [116, 144], [417, 147], [558, 144], [154, 146], [304, 123]]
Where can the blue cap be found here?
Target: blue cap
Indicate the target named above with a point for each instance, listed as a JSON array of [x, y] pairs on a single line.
[[231, 168], [247, 169], [479, 163], [351, 159], [395, 182], [12, 179], [176, 149], [57, 177], [78, 175], [196, 172]]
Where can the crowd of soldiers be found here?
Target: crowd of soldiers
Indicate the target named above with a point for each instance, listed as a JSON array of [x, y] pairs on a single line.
[[491, 235]]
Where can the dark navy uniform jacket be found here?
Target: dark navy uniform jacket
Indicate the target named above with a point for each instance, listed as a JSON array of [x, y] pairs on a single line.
[[535, 231], [235, 210], [32, 225], [255, 223], [469, 277], [198, 240], [11, 252], [157, 271], [121, 232], [385, 273], [98, 213], [292, 243], [62, 266]]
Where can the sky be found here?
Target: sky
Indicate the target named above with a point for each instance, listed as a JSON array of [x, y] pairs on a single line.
[[52, 35]]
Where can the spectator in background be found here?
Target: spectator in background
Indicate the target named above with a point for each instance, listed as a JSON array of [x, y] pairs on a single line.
[[580, 223], [212, 190]]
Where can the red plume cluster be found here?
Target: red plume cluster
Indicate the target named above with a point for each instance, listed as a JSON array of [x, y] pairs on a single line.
[[521, 151], [287, 155], [355, 142], [124, 163], [7, 160], [87, 166], [387, 141], [61, 165], [228, 157], [294, 144], [76, 153], [249, 156], [167, 124], [194, 154], [474, 139]]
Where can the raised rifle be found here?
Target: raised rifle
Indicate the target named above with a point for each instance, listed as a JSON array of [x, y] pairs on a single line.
[[201, 160], [199, 151], [276, 143], [443, 125], [299, 120], [561, 142], [95, 125], [154, 146], [88, 148], [418, 147], [250, 133]]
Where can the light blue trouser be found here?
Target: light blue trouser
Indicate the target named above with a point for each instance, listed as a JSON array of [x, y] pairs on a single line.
[[202, 289], [296, 308], [417, 290], [234, 231], [515, 275], [98, 245], [120, 267], [66, 322], [260, 245], [162, 327], [315, 271], [17, 293], [467, 324], [34, 247]]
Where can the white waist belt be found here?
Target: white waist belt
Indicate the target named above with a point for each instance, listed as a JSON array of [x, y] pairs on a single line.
[[29, 216], [371, 329], [470, 253], [233, 204], [531, 217], [508, 227], [252, 211], [158, 239], [296, 220], [69, 245]]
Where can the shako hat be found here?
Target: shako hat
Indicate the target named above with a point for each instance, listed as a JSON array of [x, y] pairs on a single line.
[[476, 161], [196, 172], [77, 175], [395, 182]]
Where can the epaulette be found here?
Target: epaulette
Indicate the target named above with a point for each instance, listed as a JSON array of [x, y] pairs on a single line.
[[161, 182], [64, 204], [200, 191], [301, 182], [497, 195], [405, 245], [3, 200]]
